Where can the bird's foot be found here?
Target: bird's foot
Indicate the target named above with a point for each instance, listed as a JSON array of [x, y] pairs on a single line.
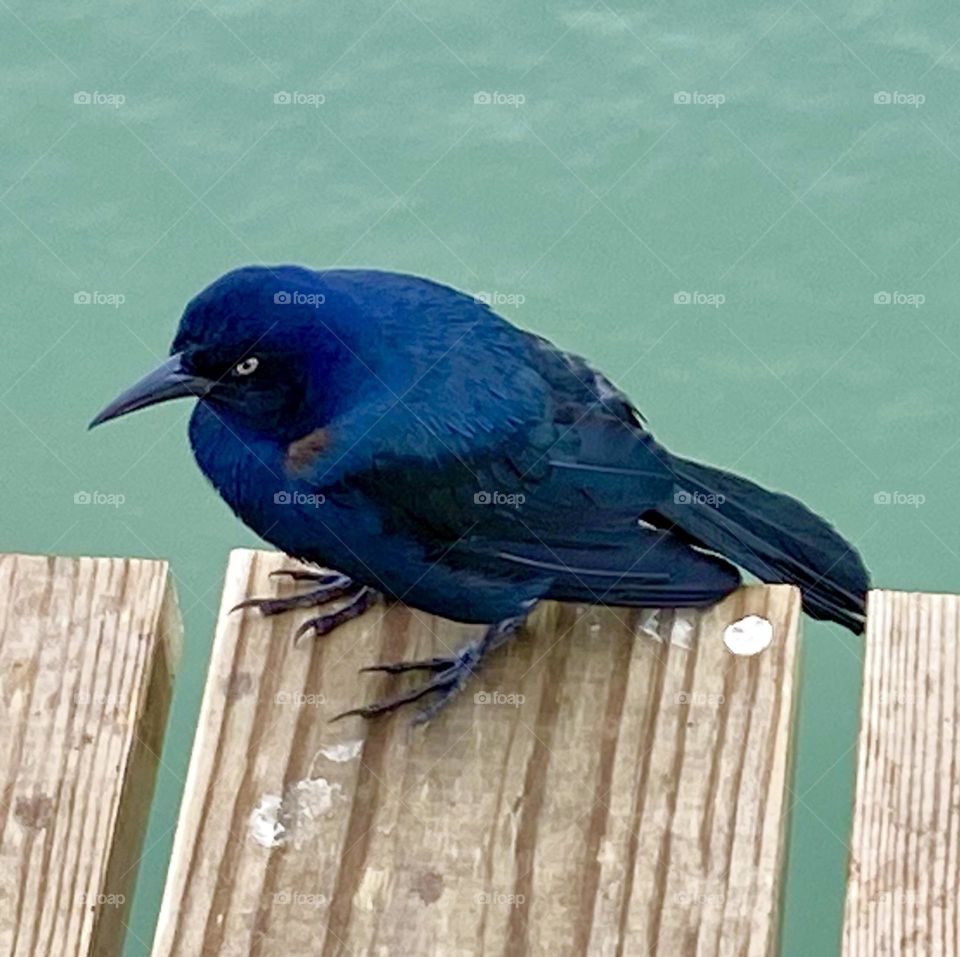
[[450, 674], [362, 599], [328, 587]]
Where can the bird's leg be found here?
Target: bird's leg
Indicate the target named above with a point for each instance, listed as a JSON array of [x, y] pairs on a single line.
[[362, 599], [450, 674], [328, 586]]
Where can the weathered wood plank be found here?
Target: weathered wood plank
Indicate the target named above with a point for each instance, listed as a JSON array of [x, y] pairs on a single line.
[[612, 783], [902, 892], [87, 652]]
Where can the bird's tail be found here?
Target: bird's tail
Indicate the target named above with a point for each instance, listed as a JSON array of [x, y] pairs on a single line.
[[772, 536]]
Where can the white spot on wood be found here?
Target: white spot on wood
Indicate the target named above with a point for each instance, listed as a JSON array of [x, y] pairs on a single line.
[[307, 800], [607, 854], [650, 624], [345, 751], [292, 819], [265, 826], [684, 628], [305, 804], [748, 636], [373, 884]]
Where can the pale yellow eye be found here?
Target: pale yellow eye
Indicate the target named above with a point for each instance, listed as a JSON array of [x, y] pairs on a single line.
[[247, 367]]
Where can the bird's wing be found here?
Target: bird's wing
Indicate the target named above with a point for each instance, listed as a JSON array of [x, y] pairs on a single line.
[[535, 454]]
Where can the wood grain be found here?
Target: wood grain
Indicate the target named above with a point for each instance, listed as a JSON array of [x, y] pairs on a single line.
[[87, 651], [902, 892], [611, 784]]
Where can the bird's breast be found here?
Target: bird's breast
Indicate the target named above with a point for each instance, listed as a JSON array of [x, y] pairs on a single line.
[[263, 482]]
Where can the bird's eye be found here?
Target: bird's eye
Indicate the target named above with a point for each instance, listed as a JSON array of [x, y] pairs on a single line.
[[247, 367]]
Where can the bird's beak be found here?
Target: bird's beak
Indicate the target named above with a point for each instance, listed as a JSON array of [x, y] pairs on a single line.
[[168, 381]]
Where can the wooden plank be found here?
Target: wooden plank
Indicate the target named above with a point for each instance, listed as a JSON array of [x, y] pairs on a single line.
[[87, 651], [902, 892], [612, 783]]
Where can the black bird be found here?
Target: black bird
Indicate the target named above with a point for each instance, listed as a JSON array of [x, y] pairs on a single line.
[[403, 433]]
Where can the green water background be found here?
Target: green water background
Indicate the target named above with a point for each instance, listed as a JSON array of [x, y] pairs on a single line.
[[589, 190]]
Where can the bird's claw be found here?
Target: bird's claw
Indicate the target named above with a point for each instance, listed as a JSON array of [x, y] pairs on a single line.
[[399, 667], [451, 674], [301, 575], [362, 598], [456, 671], [328, 588]]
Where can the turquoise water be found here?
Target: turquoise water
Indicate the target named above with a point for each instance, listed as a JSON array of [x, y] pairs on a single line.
[[789, 166]]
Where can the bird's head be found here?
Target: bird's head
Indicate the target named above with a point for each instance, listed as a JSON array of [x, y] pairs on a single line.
[[257, 344]]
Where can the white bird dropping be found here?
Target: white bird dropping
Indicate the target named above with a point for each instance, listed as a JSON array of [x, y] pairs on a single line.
[[748, 636]]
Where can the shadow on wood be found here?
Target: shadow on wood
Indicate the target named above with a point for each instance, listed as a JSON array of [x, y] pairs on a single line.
[[612, 783], [87, 651]]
